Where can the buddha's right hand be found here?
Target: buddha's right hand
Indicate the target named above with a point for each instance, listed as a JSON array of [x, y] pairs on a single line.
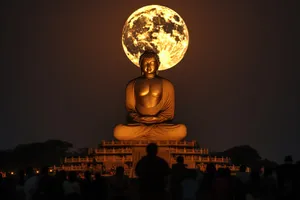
[[148, 119]]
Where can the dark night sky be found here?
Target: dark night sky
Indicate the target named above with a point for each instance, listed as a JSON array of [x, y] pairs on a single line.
[[64, 72]]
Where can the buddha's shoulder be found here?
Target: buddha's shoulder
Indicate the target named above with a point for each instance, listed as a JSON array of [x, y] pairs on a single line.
[[132, 81], [166, 82]]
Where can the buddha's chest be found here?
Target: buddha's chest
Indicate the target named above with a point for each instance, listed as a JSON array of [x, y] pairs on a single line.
[[148, 92]]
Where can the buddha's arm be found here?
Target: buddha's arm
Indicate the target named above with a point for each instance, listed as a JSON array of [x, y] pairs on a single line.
[[167, 111], [130, 102], [161, 117], [136, 117]]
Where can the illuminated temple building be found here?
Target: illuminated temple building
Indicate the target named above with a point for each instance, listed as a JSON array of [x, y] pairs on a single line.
[[111, 154]]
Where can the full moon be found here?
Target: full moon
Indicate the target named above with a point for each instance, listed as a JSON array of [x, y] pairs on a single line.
[[159, 29]]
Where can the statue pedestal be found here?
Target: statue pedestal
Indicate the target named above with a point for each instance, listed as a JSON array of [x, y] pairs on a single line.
[[128, 153], [137, 154], [164, 153]]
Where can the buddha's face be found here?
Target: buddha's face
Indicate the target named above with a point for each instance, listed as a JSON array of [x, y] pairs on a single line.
[[149, 65]]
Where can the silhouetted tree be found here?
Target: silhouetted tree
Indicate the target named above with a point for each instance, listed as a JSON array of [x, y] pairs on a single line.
[[243, 155], [268, 163], [48, 153]]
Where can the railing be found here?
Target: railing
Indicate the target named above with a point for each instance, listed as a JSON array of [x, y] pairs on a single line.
[[192, 151], [233, 168], [113, 159], [204, 159], [99, 159], [72, 168], [174, 150], [146, 142], [78, 159], [111, 151]]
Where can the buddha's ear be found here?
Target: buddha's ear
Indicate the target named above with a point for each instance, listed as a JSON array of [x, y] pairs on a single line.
[[157, 67]]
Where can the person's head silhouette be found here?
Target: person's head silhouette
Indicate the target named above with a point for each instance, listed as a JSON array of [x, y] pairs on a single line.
[[29, 171], [97, 176], [180, 159], [120, 171], [87, 175], [243, 168], [44, 170], [152, 149], [288, 159]]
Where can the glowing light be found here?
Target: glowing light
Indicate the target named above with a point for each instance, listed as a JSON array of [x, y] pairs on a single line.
[[37, 171], [156, 28], [12, 173]]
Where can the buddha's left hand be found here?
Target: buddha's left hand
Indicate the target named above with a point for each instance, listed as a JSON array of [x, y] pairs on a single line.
[[149, 119]]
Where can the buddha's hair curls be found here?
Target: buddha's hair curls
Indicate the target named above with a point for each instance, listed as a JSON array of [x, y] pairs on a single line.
[[149, 54]]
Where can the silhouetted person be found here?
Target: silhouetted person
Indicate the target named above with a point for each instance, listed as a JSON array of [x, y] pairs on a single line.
[[297, 178], [1, 181], [21, 181], [71, 187], [268, 185], [8, 188], [100, 187], [31, 183], [178, 175], [60, 178], [119, 184], [152, 172], [222, 185], [20, 186], [190, 185], [1, 185], [241, 181], [286, 178], [86, 186], [242, 174], [206, 186], [45, 186], [254, 185]]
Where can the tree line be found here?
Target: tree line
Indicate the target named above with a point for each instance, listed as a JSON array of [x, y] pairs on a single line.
[[52, 152]]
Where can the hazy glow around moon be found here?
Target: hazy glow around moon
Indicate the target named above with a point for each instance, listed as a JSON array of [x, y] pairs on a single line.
[[156, 28]]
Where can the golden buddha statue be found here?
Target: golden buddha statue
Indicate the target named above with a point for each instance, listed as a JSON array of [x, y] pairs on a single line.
[[150, 102]]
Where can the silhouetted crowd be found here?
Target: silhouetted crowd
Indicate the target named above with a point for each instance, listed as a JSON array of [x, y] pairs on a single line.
[[156, 181]]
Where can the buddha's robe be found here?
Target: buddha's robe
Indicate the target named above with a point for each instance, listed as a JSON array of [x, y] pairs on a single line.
[[159, 102]]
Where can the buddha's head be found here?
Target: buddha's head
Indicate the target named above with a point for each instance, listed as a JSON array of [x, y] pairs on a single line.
[[149, 64]]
